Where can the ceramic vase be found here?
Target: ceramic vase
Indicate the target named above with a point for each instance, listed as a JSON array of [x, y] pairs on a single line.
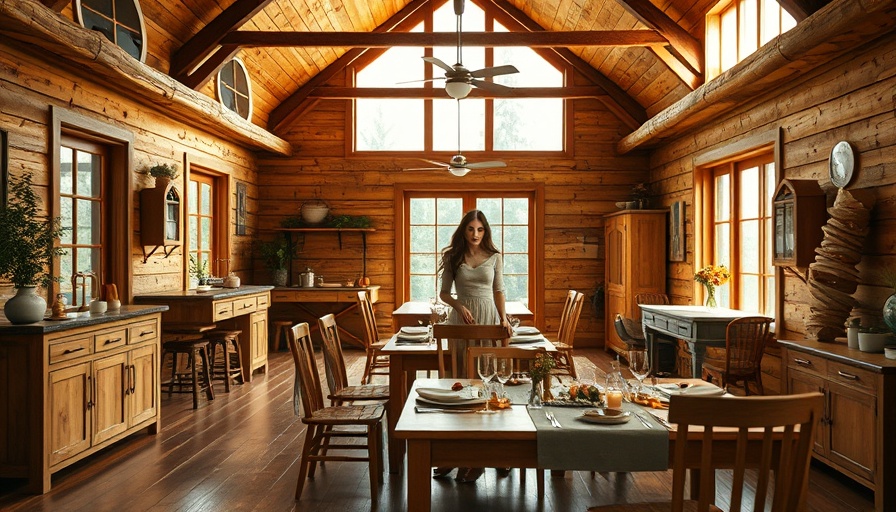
[[26, 307], [279, 276], [890, 313], [535, 394]]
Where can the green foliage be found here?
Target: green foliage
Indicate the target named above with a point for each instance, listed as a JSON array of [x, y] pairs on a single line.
[[163, 171], [27, 238], [294, 221], [888, 277], [349, 221], [199, 269], [276, 253]]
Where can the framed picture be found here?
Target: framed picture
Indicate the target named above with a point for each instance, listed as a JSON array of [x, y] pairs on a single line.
[[241, 200], [4, 168], [676, 232]]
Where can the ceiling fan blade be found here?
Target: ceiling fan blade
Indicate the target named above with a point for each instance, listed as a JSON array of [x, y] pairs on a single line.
[[443, 168], [491, 86], [486, 165], [437, 62], [506, 69], [419, 81]]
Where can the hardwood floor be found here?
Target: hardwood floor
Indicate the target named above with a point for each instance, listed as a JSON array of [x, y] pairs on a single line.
[[239, 453]]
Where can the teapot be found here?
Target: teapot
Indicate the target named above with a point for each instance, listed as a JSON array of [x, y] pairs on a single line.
[[307, 278]]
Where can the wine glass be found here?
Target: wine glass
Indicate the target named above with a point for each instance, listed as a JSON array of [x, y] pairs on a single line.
[[486, 368], [503, 372], [639, 365]]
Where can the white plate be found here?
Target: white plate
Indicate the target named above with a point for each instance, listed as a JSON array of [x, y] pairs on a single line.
[[526, 331], [606, 416], [204, 288], [529, 338], [692, 390], [462, 403], [445, 395], [414, 329]]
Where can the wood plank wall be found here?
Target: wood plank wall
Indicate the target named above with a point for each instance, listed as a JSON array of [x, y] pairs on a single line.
[[851, 99], [579, 189], [31, 82]]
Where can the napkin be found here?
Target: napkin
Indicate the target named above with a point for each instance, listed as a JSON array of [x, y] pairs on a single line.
[[412, 337], [445, 395], [693, 389], [526, 338], [414, 329]]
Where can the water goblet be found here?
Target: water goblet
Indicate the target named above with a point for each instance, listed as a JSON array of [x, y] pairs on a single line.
[[503, 372], [639, 365]]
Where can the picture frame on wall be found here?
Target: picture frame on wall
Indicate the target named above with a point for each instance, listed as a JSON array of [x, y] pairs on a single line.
[[676, 232], [242, 198]]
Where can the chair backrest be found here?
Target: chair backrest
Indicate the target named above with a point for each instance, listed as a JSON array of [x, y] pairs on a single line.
[[567, 305], [371, 334], [786, 451], [516, 353], [659, 299], [745, 341], [307, 379], [628, 331], [334, 363], [570, 319], [463, 332]]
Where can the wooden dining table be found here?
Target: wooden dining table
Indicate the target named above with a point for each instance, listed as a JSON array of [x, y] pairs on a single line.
[[405, 360], [507, 438], [418, 313]]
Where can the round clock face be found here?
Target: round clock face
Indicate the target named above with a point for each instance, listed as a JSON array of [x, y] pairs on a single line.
[[841, 164]]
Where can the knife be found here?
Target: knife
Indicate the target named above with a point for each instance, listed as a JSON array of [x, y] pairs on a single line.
[[643, 421]]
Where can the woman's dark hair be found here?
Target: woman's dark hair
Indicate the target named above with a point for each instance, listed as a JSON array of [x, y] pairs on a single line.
[[454, 253]]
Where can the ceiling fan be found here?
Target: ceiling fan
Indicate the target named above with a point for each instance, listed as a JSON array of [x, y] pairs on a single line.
[[459, 81], [458, 164]]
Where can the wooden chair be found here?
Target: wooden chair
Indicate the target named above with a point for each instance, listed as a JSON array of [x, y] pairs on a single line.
[[786, 452], [321, 420], [337, 377], [461, 335], [745, 341], [659, 299], [566, 334], [377, 363]]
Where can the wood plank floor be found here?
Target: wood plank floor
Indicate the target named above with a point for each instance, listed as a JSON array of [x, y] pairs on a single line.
[[239, 453]]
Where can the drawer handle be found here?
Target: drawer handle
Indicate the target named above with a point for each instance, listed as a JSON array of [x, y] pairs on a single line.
[[109, 342], [246, 306], [146, 333], [803, 362], [73, 350], [847, 375], [223, 311]]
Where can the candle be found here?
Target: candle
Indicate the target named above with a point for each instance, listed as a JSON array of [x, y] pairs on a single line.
[[614, 399]]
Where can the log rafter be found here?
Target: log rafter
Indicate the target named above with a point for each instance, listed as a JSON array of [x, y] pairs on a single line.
[[802, 9], [683, 47]]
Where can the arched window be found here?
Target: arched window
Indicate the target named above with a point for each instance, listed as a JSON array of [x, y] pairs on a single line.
[[234, 88], [121, 21]]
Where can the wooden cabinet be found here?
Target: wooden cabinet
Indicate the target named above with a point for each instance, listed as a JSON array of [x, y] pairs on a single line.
[[635, 263], [853, 432], [160, 218], [74, 389], [258, 339], [799, 207]]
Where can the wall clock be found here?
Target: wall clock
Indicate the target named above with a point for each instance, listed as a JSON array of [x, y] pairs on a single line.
[[841, 164]]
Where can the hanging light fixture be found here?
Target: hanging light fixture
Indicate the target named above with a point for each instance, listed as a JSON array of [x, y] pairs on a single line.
[[458, 89]]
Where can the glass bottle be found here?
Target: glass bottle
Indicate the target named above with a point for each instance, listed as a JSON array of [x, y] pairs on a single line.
[[616, 389]]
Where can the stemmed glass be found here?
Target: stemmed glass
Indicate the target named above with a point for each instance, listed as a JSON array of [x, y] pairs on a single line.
[[487, 370], [639, 365], [503, 372]]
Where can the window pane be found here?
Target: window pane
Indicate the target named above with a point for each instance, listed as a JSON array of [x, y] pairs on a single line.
[[126, 13], [65, 170], [205, 233], [423, 264], [723, 198], [749, 293], [728, 31], [515, 288], [95, 22], [491, 208], [749, 246], [516, 263], [423, 287], [193, 197], [444, 234], [723, 237], [749, 193], [516, 211], [451, 211], [129, 41], [87, 166], [378, 128], [534, 124], [423, 239], [83, 218], [66, 270], [749, 28], [534, 70], [398, 64], [101, 6], [769, 297], [445, 133], [194, 232], [205, 200], [516, 238]]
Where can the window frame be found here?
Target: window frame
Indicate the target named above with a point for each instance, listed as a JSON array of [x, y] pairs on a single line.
[[715, 40], [236, 62], [77, 10], [222, 189], [403, 194]]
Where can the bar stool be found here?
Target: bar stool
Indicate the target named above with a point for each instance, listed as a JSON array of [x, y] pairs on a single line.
[[189, 340], [280, 326], [230, 367]]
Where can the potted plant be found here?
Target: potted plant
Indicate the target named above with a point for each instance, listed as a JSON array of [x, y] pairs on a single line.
[[163, 173], [276, 255], [888, 277], [27, 250], [199, 270]]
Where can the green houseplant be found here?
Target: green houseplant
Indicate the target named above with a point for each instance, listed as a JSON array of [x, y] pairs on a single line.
[[199, 270], [163, 171], [277, 254], [27, 247]]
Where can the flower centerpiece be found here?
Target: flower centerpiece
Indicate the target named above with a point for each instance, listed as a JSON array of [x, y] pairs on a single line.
[[711, 276], [539, 371]]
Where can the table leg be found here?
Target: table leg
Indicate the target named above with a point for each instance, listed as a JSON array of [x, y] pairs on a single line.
[[652, 353], [397, 397], [698, 353], [419, 481]]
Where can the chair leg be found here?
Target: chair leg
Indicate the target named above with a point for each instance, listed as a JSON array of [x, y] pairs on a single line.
[[539, 482], [173, 373], [374, 463], [304, 463], [194, 360], [206, 373], [368, 366]]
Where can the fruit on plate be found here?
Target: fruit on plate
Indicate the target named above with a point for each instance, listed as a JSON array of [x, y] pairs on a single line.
[[457, 386], [590, 393], [363, 281]]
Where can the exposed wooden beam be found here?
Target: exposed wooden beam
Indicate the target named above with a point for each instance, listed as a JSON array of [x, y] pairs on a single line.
[[210, 66], [682, 45], [56, 5], [347, 93], [802, 9], [834, 30], [186, 59], [88, 54], [618, 101], [298, 102], [544, 39]]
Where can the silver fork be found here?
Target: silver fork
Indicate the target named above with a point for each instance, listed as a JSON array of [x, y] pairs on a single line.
[[552, 419]]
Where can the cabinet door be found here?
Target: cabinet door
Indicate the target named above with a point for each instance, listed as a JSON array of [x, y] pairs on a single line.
[[110, 415], [802, 382], [259, 341], [69, 406], [853, 429], [143, 381]]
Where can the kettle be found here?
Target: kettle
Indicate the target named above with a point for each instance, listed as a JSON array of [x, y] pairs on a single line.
[[307, 278]]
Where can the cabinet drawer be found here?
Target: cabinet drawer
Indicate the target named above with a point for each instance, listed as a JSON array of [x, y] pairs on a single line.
[[278, 296], [243, 306], [109, 340], [852, 376], [143, 332], [70, 349], [262, 301], [807, 362], [223, 310], [348, 296], [683, 329]]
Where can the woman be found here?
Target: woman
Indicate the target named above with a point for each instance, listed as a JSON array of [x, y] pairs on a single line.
[[474, 266]]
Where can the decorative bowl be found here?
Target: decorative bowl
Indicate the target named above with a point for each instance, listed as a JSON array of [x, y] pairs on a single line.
[[890, 352], [874, 341], [314, 212]]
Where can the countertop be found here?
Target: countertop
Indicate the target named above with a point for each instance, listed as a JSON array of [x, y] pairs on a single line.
[[213, 294], [875, 362], [77, 320]]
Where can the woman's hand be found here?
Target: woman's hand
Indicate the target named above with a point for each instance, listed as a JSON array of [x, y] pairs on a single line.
[[507, 327], [466, 315]]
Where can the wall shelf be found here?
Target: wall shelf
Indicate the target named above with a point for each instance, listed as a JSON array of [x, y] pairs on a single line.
[[288, 232]]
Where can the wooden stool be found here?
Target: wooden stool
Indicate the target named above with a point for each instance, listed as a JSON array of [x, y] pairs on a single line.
[[197, 353], [280, 326], [231, 366]]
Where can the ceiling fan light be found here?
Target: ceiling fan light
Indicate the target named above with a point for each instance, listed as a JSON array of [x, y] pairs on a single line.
[[458, 171], [458, 90]]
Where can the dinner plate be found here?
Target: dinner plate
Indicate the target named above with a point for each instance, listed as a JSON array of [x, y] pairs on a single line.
[[692, 389], [468, 402], [526, 330], [445, 395], [529, 338], [414, 329], [606, 416]]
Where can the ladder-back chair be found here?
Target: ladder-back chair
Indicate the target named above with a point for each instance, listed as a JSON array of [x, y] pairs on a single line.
[[458, 337], [745, 341], [337, 376], [376, 363]]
